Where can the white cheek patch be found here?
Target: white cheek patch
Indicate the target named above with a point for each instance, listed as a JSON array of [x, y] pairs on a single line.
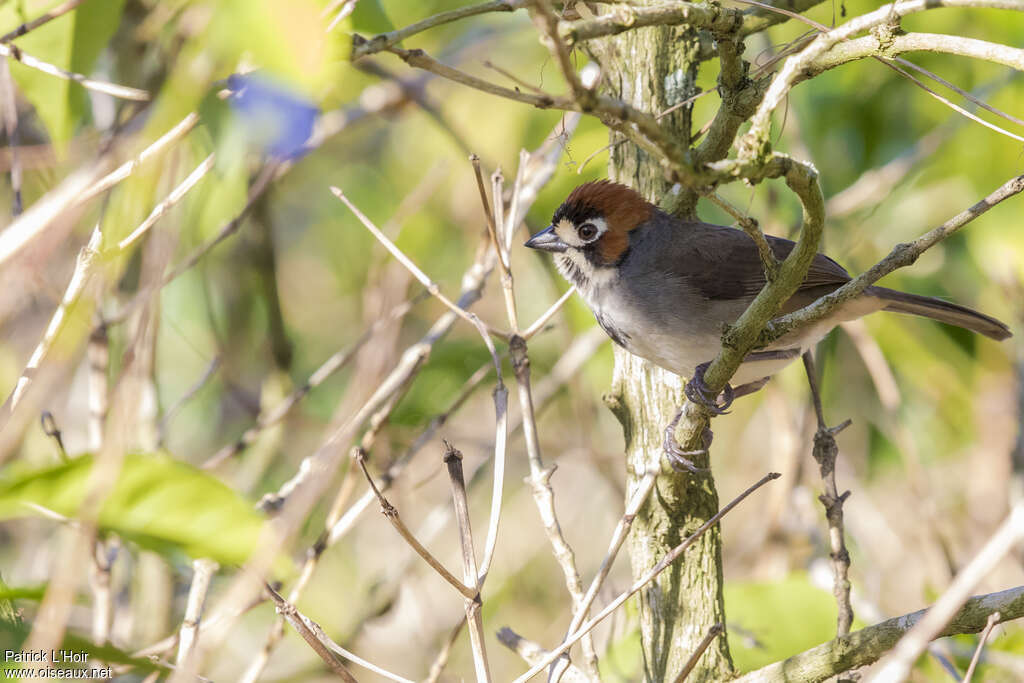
[[569, 234]]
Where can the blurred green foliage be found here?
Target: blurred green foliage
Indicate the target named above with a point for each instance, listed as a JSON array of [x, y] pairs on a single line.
[[955, 391], [158, 502]]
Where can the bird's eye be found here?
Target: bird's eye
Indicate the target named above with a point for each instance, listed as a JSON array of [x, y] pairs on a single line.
[[587, 231]]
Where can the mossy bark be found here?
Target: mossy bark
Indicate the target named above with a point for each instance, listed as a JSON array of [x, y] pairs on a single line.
[[653, 69]]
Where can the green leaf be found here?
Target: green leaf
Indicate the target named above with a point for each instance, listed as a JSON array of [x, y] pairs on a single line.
[[158, 502], [72, 42], [369, 18]]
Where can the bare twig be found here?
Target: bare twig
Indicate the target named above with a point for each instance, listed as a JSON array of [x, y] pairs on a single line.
[[83, 188], [362, 47], [430, 285], [825, 453], [664, 564], [113, 89], [750, 226], [202, 573], [636, 501], [500, 450], [796, 66], [544, 317], [901, 255], [391, 513], [437, 667], [176, 195], [543, 494], [170, 413], [10, 114], [85, 268], [993, 619], [896, 666], [627, 17], [532, 653], [474, 618], [58, 11], [335, 362], [304, 627], [713, 632]]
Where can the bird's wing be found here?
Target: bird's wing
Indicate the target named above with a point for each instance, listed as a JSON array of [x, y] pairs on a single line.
[[724, 263]]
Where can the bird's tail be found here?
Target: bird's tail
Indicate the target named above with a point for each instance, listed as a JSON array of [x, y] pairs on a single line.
[[943, 311]]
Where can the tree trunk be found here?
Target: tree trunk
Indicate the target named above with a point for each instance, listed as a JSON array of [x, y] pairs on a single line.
[[652, 69]]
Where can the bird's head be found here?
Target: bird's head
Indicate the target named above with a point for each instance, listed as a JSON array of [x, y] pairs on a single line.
[[590, 232]]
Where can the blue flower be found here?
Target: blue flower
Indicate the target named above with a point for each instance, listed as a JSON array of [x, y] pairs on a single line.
[[276, 118]]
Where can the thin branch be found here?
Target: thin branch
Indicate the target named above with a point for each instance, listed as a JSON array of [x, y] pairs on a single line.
[[391, 513], [890, 14], [44, 18], [544, 317], [713, 632], [543, 494], [175, 196], [34, 222], [170, 413], [363, 46], [437, 667], [500, 451], [10, 114], [865, 646], [993, 619], [532, 653], [429, 284], [960, 110], [474, 618], [624, 17], [202, 573], [825, 453], [662, 565], [901, 255], [546, 20], [896, 666], [85, 267], [337, 361], [960, 91], [769, 262], [619, 535], [766, 15], [872, 45], [121, 91], [313, 636]]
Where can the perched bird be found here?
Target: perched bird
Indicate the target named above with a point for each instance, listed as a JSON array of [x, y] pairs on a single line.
[[664, 289]]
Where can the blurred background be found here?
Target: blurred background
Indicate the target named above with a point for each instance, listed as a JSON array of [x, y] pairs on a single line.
[[933, 458]]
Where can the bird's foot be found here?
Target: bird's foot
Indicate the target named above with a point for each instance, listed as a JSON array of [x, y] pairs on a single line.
[[698, 392], [677, 456]]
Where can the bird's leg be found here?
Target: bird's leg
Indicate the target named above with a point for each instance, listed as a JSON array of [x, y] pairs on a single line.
[[677, 457], [698, 392]]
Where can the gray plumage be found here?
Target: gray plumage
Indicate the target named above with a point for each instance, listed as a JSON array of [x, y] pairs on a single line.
[[665, 289]]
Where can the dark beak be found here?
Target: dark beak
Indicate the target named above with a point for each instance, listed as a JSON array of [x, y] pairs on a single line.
[[547, 240]]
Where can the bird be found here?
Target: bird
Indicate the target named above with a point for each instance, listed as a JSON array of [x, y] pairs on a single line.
[[665, 288]]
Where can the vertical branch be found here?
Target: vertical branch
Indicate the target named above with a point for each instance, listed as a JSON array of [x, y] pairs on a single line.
[[474, 618], [543, 495], [202, 573], [825, 453], [102, 559], [10, 115], [654, 69]]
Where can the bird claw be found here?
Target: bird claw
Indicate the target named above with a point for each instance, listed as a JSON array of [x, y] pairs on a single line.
[[678, 457], [697, 391]]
